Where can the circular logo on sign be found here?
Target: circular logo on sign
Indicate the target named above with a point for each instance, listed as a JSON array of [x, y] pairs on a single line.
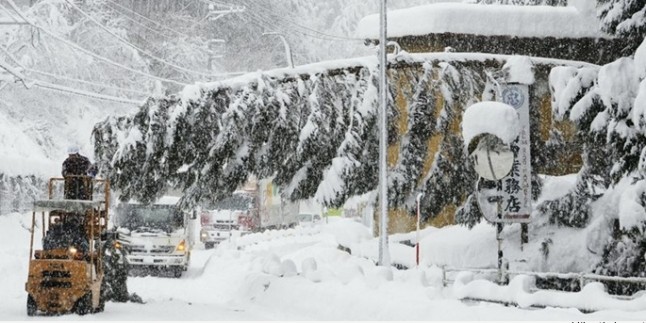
[[513, 96]]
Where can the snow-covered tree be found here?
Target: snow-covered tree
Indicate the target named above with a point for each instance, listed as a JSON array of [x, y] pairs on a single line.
[[624, 18], [607, 106]]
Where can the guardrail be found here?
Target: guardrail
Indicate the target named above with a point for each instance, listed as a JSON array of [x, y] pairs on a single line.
[[581, 277]]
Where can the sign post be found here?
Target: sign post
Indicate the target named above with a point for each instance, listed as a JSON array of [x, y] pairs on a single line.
[[419, 197], [490, 146], [517, 186]]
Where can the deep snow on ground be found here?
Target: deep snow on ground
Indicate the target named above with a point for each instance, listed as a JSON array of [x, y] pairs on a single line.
[[301, 274]]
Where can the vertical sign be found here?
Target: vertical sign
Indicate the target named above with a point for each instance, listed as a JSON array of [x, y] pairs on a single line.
[[517, 186]]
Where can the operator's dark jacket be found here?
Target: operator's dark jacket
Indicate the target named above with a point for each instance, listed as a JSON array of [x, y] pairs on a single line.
[[76, 188]]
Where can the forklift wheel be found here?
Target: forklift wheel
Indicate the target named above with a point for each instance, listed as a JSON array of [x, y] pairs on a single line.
[[31, 306], [84, 304]]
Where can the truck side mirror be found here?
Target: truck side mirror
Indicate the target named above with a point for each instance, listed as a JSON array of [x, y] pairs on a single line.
[[194, 215]]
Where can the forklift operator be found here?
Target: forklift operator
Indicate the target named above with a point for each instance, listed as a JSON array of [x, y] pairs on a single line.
[[76, 169], [64, 235]]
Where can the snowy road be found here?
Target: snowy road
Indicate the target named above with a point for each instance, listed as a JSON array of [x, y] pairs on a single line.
[[242, 280]]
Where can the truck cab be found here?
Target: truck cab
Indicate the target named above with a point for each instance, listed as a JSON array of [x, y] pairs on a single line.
[[156, 237], [222, 220]]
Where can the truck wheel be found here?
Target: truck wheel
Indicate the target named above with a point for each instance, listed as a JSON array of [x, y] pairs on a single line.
[[177, 271], [31, 306], [209, 245], [84, 304]]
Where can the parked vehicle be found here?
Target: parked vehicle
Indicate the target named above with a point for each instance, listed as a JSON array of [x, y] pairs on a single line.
[[155, 237], [308, 219], [258, 206]]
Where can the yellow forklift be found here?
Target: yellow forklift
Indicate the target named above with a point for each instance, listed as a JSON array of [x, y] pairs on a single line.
[[66, 275]]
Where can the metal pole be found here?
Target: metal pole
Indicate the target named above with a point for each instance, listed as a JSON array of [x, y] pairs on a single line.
[[384, 256], [499, 239], [288, 50], [419, 197]]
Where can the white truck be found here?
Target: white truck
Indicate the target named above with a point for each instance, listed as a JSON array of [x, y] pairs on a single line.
[[257, 206], [156, 237]]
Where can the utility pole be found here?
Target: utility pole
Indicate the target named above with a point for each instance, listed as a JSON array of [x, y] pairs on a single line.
[[384, 254], [216, 45]]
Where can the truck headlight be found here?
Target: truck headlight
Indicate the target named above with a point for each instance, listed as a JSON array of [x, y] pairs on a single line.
[[181, 246], [204, 235]]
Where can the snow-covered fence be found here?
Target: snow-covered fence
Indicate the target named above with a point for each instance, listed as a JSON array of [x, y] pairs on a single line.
[[582, 278]]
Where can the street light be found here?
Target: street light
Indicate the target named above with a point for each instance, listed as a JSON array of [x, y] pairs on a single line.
[[288, 50]]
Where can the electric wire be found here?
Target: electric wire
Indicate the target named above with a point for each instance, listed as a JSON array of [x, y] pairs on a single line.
[[99, 57], [9, 14], [143, 51], [51, 86], [147, 19], [65, 78], [88, 94], [156, 31], [267, 9], [265, 21]]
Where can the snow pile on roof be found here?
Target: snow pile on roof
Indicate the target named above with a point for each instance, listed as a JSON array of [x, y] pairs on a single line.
[[496, 118], [487, 20]]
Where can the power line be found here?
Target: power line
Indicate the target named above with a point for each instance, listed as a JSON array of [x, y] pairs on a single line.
[[264, 21], [161, 60], [104, 59], [268, 9], [156, 31], [92, 95], [50, 86], [61, 77], [127, 43], [148, 19], [140, 24], [9, 14], [272, 23], [65, 78]]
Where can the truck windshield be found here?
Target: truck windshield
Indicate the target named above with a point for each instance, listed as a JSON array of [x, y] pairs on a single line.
[[137, 217], [234, 202]]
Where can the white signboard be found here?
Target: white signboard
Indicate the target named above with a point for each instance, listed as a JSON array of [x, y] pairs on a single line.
[[517, 186]]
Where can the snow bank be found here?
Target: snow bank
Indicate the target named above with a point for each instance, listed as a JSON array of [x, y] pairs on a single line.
[[522, 291], [301, 275], [490, 117], [499, 20]]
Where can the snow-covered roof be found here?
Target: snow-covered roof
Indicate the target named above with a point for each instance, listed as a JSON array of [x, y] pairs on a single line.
[[487, 20]]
